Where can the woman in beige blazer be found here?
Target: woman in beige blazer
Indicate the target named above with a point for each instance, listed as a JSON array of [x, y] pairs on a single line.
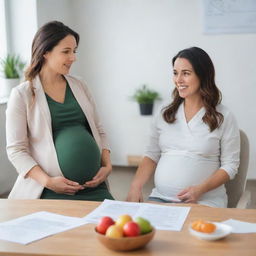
[[55, 139]]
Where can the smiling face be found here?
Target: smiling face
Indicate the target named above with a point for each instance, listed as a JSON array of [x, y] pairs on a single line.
[[185, 79], [62, 56]]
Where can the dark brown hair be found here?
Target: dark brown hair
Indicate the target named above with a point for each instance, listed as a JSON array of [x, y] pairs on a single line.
[[46, 38], [210, 94]]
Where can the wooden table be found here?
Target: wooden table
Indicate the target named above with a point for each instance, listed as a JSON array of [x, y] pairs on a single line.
[[82, 240]]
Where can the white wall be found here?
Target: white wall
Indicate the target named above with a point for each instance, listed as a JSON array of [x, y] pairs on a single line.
[[127, 43], [22, 25], [48, 10]]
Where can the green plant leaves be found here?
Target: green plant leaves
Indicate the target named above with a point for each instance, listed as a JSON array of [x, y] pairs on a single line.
[[145, 95], [12, 66]]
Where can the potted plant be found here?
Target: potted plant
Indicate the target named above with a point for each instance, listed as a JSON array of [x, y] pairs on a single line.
[[11, 68], [145, 97]]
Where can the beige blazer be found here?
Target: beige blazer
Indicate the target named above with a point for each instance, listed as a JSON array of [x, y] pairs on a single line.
[[29, 133]]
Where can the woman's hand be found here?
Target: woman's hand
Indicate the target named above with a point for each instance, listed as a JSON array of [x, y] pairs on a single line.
[[100, 177], [61, 185], [103, 172], [144, 172], [193, 193], [135, 195], [190, 194]]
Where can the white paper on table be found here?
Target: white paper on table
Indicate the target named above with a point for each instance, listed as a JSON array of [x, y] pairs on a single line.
[[36, 226], [160, 216], [241, 226]]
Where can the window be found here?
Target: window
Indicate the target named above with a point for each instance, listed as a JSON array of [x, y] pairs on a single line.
[[3, 31]]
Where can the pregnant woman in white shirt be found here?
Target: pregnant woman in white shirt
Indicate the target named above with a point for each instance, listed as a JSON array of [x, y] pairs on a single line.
[[194, 143]]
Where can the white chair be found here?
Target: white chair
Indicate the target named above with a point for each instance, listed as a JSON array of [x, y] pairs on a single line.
[[237, 196]]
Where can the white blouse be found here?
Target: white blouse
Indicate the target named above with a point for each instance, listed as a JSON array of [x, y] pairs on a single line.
[[187, 153]]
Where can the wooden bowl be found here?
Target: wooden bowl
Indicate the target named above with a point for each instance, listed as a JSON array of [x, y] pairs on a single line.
[[125, 243]]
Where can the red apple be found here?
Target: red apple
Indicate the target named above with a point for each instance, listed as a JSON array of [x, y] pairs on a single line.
[[103, 224], [131, 228]]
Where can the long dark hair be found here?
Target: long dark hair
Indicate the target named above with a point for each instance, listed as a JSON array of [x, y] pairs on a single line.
[[46, 38], [210, 94]]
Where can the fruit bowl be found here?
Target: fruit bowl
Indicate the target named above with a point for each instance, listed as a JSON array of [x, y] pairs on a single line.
[[125, 243]]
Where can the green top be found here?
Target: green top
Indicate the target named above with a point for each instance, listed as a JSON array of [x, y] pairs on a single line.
[[77, 151]]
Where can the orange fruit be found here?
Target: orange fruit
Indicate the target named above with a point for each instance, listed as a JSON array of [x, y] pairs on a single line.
[[196, 225], [207, 227], [203, 226]]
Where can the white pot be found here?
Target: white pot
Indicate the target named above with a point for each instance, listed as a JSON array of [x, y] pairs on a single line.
[[6, 86]]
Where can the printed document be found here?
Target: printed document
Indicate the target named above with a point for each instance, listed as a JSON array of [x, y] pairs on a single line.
[[36, 226], [160, 216]]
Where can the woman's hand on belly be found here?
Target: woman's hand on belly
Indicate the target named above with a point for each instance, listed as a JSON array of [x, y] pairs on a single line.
[[61, 185], [100, 177], [190, 194]]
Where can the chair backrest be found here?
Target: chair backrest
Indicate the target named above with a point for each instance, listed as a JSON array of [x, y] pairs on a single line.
[[235, 187]]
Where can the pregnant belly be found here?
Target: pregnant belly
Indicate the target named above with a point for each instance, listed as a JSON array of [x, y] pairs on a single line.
[[78, 153], [176, 172]]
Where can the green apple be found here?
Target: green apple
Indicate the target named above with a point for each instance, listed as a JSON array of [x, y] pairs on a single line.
[[145, 226]]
